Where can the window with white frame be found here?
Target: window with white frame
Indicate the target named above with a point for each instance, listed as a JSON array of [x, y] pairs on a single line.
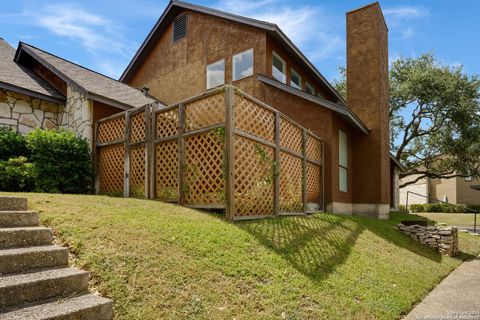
[[216, 74], [295, 79], [309, 89], [242, 64], [279, 68], [342, 161]]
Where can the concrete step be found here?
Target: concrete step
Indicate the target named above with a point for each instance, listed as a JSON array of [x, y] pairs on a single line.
[[25, 259], [25, 237], [41, 285], [10, 219], [85, 307], [13, 204]]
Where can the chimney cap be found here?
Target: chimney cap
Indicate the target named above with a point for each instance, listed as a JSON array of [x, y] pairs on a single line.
[[373, 4]]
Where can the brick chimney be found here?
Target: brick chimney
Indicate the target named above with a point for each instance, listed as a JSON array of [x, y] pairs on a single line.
[[367, 96]]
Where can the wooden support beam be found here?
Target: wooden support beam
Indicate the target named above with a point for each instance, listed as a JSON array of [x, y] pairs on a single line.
[[230, 152], [276, 181], [146, 147], [96, 155], [304, 169], [323, 176], [126, 163], [152, 152], [181, 153]]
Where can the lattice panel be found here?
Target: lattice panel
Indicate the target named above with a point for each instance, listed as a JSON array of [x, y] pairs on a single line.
[[254, 178], [205, 112], [110, 165], [167, 124], [137, 127], [166, 172], [313, 182], [137, 171], [204, 177], [290, 136], [111, 130], [254, 119], [313, 148], [290, 183]]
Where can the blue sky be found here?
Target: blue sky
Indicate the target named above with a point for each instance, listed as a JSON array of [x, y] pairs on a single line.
[[104, 35]]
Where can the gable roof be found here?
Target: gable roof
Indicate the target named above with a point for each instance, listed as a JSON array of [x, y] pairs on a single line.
[[97, 86], [271, 28], [18, 78]]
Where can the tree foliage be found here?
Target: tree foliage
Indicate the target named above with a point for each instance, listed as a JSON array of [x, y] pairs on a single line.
[[434, 118]]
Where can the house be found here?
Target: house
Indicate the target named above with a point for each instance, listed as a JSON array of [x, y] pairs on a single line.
[[192, 49], [39, 89], [458, 190]]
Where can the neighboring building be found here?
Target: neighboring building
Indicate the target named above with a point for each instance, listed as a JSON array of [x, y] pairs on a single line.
[[193, 48], [457, 190], [38, 89]]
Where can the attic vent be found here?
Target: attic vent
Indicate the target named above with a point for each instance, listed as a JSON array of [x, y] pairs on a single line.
[[180, 27]]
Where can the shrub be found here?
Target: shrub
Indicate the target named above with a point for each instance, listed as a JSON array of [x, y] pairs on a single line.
[[436, 207], [416, 208], [12, 144], [62, 161], [16, 174]]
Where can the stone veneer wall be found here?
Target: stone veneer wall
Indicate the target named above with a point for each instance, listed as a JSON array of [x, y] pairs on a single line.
[[78, 113], [444, 240], [23, 113]]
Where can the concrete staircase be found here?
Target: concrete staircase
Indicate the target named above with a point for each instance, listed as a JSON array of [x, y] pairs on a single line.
[[36, 282]]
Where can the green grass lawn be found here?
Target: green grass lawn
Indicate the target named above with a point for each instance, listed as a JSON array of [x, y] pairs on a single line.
[[456, 219], [162, 261]]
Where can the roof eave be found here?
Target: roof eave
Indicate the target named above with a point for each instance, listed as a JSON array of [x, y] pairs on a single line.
[[31, 93]]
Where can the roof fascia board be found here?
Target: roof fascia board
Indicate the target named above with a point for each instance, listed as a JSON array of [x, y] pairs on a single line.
[[110, 102], [343, 110], [31, 93]]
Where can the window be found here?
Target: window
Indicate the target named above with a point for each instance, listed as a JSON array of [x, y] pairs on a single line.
[[216, 74], [295, 79], [279, 68], [179, 27], [242, 64], [342, 161], [309, 89]]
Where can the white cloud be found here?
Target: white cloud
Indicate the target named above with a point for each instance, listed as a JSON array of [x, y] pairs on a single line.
[[307, 26], [406, 12]]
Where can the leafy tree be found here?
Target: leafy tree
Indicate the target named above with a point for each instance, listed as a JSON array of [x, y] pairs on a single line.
[[434, 118]]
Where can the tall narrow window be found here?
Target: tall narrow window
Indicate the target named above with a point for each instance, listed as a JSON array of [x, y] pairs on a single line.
[[242, 64], [309, 89], [216, 74], [295, 79], [342, 161], [279, 68], [179, 27]]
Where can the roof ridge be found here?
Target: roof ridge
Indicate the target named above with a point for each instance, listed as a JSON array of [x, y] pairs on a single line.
[[78, 65]]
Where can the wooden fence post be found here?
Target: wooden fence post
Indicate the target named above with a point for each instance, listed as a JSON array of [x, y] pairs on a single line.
[[181, 153], [304, 169], [146, 114], [276, 181], [96, 163], [323, 176], [230, 152], [152, 152], [126, 165]]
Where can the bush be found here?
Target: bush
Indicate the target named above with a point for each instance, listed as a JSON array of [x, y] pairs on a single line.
[[12, 144], [62, 161], [437, 207], [16, 174]]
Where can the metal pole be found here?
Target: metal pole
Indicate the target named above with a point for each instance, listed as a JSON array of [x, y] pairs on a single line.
[[475, 223], [406, 202]]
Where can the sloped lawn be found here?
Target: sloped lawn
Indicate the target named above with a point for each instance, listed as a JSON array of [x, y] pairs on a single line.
[[162, 261]]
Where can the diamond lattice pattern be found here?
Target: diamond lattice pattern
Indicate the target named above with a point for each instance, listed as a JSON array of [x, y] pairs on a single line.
[[167, 124], [313, 148], [255, 119], [137, 127], [205, 112], [137, 171], [167, 171], [290, 136], [290, 183], [254, 178], [111, 162], [204, 178], [313, 183], [111, 130]]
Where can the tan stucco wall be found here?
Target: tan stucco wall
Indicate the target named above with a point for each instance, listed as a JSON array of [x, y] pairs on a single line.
[[444, 189], [420, 187], [465, 194]]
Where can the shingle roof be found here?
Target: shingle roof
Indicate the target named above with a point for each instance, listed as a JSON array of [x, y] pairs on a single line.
[[19, 78], [96, 84]]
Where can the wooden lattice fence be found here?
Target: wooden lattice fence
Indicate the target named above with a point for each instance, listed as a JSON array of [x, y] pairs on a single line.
[[222, 149]]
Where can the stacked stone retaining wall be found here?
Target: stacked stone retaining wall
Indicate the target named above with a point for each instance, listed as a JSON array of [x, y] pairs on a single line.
[[442, 239]]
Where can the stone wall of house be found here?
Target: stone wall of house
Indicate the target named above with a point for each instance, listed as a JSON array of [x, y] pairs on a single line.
[[442, 239], [78, 113], [23, 113]]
